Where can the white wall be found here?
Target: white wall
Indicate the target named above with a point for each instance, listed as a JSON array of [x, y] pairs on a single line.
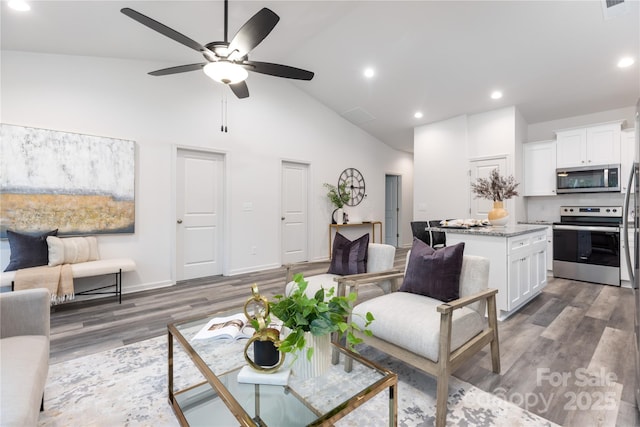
[[546, 130], [492, 133], [116, 98], [442, 152]]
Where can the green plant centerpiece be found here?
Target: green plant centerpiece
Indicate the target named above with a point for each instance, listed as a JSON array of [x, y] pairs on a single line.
[[322, 314], [338, 196]]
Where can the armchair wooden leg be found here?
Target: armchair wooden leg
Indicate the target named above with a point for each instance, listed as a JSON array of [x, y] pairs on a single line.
[[442, 394], [493, 324], [42, 403], [442, 388], [289, 276]]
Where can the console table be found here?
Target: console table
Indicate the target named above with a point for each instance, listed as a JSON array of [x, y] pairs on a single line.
[[336, 227]]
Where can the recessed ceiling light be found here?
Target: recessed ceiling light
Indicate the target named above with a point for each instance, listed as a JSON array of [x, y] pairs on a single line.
[[19, 5], [625, 62], [496, 94], [369, 72], [418, 114]]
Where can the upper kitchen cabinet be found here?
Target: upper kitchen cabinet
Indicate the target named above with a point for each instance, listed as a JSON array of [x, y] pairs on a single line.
[[594, 145], [627, 154], [539, 160]]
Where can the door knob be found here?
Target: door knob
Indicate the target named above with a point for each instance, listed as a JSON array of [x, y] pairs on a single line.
[[179, 221], [282, 218]]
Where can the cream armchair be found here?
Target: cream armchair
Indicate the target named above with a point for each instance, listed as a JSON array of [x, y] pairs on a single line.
[[428, 334], [380, 256], [24, 355]]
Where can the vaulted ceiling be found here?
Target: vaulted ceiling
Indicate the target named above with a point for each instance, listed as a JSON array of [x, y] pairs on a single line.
[[551, 59]]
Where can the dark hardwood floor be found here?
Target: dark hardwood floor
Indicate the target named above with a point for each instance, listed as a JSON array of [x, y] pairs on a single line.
[[566, 356]]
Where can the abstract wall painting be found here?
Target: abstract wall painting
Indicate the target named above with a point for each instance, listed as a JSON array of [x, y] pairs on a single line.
[[79, 184]]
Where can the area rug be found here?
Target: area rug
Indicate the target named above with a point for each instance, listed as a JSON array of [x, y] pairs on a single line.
[[127, 386]]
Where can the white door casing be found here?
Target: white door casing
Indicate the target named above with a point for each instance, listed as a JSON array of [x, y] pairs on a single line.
[[199, 208], [294, 219], [481, 169]]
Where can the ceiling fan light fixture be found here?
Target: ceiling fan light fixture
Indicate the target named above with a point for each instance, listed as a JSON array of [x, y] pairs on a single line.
[[226, 72]]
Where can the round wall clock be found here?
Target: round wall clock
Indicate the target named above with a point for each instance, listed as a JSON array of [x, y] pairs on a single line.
[[353, 182]]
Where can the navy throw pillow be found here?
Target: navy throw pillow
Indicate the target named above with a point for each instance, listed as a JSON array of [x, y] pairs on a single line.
[[28, 250], [349, 257], [434, 273]]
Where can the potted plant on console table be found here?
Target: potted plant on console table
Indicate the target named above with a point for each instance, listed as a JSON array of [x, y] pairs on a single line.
[[310, 322], [498, 189], [338, 196]]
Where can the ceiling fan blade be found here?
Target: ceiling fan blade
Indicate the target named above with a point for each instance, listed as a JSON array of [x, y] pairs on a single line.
[[166, 31], [241, 90], [178, 69], [252, 33], [278, 70]]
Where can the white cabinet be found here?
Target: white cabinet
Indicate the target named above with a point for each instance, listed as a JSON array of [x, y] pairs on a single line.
[[595, 145], [519, 280], [539, 168], [539, 270], [627, 154], [518, 264], [624, 271]]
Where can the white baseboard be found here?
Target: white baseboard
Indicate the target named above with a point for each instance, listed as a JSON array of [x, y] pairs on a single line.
[[146, 286], [253, 269]]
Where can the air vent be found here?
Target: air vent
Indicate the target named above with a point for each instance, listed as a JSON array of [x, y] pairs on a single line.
[[358, 116], [613, 8]]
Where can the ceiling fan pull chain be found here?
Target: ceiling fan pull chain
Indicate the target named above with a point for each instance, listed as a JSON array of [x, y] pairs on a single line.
[[226, 114], [222, 113]]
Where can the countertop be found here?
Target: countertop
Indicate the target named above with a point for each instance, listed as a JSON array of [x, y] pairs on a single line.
[[536, 222], [507, 231]]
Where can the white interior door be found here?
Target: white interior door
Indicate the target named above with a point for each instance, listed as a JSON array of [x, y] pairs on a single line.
[[295, 188], [199, 201], [481, 169], [391, 210]]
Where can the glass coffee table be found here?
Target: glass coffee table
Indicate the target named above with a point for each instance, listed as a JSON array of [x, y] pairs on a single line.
[[212, 395]]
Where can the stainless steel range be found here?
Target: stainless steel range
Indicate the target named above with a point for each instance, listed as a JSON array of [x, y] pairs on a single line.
[[586, 244]]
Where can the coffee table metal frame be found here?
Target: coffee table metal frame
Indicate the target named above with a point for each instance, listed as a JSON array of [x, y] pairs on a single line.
[[389, 380]]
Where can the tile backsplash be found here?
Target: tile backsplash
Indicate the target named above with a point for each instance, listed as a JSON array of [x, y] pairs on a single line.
[[547, 208]]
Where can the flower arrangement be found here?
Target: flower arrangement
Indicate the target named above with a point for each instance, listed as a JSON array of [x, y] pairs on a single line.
[[496, 187], [338, 196], [317, 315]]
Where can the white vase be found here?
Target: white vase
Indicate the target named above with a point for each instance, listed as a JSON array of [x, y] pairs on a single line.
[[339, 216], [320, 362]]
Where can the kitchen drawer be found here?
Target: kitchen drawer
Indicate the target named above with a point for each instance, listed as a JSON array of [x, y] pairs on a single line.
[[519, 245], [539, 241]]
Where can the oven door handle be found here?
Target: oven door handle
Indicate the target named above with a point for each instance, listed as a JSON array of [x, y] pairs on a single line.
[[586, 228]]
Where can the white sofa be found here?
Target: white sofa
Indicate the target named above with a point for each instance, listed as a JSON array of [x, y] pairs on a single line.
[[24, 355]]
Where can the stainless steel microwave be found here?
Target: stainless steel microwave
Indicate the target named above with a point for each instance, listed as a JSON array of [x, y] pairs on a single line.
[[588, 179]]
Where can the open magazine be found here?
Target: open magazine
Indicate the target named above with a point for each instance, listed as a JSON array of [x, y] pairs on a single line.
[[232, 327]]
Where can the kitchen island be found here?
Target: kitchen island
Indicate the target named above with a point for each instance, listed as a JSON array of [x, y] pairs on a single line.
[[518, 260]]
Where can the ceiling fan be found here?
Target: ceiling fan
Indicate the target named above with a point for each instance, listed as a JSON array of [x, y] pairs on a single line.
[[227, 62]]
